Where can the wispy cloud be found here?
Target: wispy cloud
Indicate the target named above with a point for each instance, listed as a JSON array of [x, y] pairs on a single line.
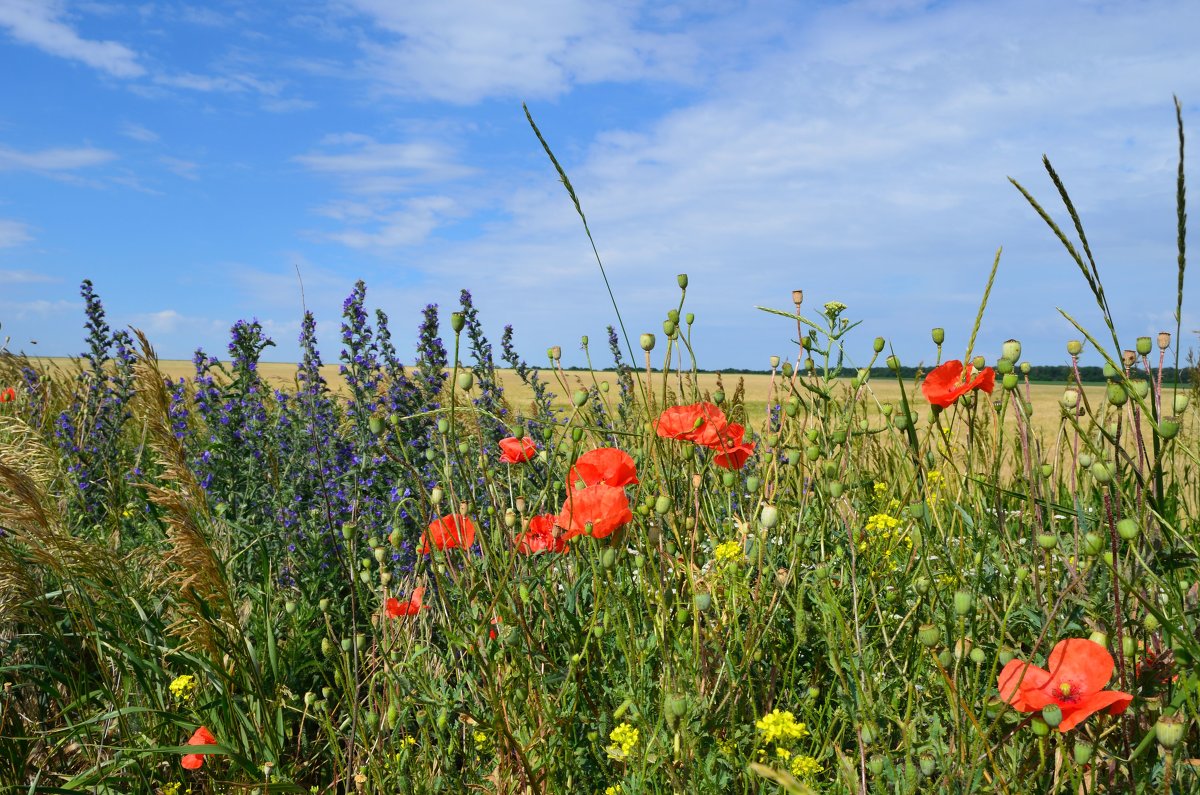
[[12, 233], [138, 133], [40, 23], [181, 168], [460, 51], [362, 160], [26, 277], [57, 159]]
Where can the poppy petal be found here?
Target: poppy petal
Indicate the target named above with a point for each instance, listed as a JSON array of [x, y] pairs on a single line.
[[191, 761], [1085, 663], [1016, 679], [1113, 700]]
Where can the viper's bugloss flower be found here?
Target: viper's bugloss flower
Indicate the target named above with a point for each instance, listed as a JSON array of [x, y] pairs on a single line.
[[1078, 671]]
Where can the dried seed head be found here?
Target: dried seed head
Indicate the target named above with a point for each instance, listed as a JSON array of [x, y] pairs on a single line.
[[797, 298], [1164, 340], [1128, 357]]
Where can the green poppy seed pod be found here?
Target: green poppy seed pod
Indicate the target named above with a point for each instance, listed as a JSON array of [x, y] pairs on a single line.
[[1180, 403], [727, 479], [1100, 472], [878, 344], [373, 541], [875, 764], [769, 516], [669, 328], [752, 484], [1070, 398], [580, 398], [663, 504], [939, 335], [347, 644], [577, 434], [1164, 340], [1074, 347], [647, 342], [1128, 645], [809, 365], [380, 554], [1010, 381], [323, 605], [1093, 544], [1052, 714], [1047, 540], [457, 321], [1169, 730], [774, 362], [839, 436], [977, 656], [868, 734], [385, 577], [793, 457], [1168, 428], [435, 496], [1004, 366], [394, 420], [310, 698], [900, 422], [608, 558], [792, 408], [1024, 368], [922, 585], [718, 397], [927, 764], [463, 448], [893, 363], [510, 518], [812, 453], [1109, 370], [1011, 350], [1082, 752], [673, 315], [1128, 529], [1099, 638], [1144, 345], [829, 469], [289, 607], [376, 425], [703, 601], [1022, 573], [1046, 470], [963, 602], [929, 635], [443, 425], [348, 529], [364, 576], [1005, 655], [945, 658], [835, 489], [1039, 727], [787, 370], [1150, 623], [1128, 358], [466, 380], [430, 454], [682, 281], [1085, 460]]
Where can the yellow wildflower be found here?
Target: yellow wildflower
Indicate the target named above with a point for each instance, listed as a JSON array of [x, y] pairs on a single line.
[[882, 521], [624, 738], [615, 789], [728, 552], [804, 766], [880, 488], [171, 789], [781, 727], [183, 687]]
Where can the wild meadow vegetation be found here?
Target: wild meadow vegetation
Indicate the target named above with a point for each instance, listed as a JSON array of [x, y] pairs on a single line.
[[212, 584]]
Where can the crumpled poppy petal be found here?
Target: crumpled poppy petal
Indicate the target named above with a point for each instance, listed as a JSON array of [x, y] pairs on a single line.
[[1016, 678], [1113, 700], [605, 465], [1086, 664]]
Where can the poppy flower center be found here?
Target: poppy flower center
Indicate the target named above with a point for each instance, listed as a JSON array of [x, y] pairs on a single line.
[[1069, 692]]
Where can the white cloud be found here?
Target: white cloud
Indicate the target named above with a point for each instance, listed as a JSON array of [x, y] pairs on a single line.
[[361, 158], [461, 51], [39, 23], [180, 168], [12, 233], [408, 225], [58, 159], [139, 133]]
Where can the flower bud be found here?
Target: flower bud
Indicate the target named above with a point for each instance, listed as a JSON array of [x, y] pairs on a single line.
[[875, 764], [466, 380], [323, 605], [718, 397], [1099, 637], [1011, 350], [682, 281], [929, 635], [1093, 544], [1150, 623], [893, 363], [1169, 730], [878, 344], [1164, 340], [963, 602], [1180, 403], [939, 335], [647, 342], [769, 516], [1074, 347], [457, 321]]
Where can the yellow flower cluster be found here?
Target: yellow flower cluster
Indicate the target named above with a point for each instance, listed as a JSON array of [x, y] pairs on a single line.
[[183, 687], [804, 766], [781, 728], [615, 789], [728, 552], [882, 521], [880, 488], [624, 738]]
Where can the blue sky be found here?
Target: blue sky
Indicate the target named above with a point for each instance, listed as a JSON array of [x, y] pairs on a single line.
[[190, 157]]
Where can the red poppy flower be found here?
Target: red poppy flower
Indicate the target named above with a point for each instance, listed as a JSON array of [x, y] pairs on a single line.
[[540, 537], [602, 506], [453, 530], [492, 631], [515, 451], [605, 465], [947, 383], [202, 736], [701, 423], [395, 608], [1079, 670], [732, 453], [8, 395]]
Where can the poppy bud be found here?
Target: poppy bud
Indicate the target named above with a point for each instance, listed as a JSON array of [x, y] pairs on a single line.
[[875, 764], [929, 635], [979, 362], [793, 457], [868, 734], [963, 602], [1164, 340], [718, 397], [394, 419], [1011, 350], [893, 363], [457, 321], [466, 380], [1006, 655], [809, 364], [1047, 540], [647, 342], [1168, 428], [1093, 544], [769, 517], [939, 335], [878, 344], [1074, 347], [1150, 623], [323, 605], [663, 504], [1169, 730], [326, 647], [774, 362], [1099, 638], [1180, 403], [1052, 714], [682, 281], [1100, 472], [669, 329], [376, 425]]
